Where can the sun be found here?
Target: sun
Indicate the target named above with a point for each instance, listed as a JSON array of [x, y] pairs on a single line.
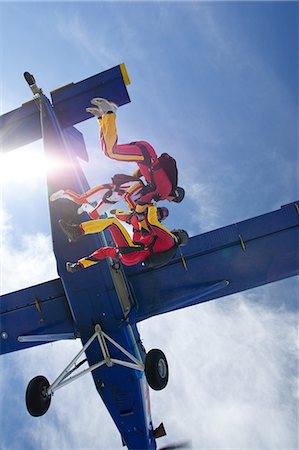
[[25, 165]]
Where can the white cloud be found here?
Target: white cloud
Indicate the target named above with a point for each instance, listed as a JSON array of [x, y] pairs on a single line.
[[27, 262], [232, 379], [5, 225]]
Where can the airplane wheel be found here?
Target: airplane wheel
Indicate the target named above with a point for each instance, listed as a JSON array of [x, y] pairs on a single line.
[[156, 369], [37, 400]]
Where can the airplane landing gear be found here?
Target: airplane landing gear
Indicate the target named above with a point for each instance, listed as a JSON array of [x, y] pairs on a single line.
[[37, 398], [156, 369], [39, 391]]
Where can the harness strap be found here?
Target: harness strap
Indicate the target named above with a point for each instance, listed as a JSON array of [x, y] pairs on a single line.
[[151, 245], [128, 250]]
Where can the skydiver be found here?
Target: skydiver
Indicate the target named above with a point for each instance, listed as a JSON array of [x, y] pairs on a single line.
[[159, 185], [152, 244]]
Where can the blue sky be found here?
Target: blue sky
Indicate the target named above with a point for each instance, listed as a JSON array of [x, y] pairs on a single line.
[[216, 85]]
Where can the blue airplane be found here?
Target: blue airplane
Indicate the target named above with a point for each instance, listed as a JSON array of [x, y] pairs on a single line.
[[103, 305]]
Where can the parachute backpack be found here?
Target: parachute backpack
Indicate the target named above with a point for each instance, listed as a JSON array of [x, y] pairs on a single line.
[[156, 260], [168, 164]]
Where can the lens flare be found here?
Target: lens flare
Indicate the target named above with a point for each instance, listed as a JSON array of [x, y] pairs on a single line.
[[26, 166]]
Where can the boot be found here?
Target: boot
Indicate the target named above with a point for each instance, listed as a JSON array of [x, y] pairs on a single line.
[[72, 267], [72, 231], [95, 112], [104, 105]]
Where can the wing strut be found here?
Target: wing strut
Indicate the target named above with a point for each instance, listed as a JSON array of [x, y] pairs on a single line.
[[46, 337]]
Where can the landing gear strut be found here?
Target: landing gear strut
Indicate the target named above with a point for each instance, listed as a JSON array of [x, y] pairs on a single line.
[[39, 391]]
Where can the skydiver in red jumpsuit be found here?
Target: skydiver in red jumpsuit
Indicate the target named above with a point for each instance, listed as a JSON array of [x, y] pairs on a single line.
[[158, 187], [153, 239]]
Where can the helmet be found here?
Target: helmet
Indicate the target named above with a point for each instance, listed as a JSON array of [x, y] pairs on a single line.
[[181, 236], [162, 213], [179, 194]]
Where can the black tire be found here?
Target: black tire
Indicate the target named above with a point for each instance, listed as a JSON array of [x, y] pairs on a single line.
[[156, 369], [37, 400]]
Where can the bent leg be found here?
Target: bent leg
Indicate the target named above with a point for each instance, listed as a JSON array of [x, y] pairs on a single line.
[[96, 226], [66, 194], [122, 152], [87, 199], [128, 259], [92, 195], [98, 255], [120, 235], [97, 193]]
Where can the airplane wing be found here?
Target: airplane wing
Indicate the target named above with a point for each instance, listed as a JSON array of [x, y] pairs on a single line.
[[35, 316], [231, 259], [23, 126], [43, 313], [20, 127]]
